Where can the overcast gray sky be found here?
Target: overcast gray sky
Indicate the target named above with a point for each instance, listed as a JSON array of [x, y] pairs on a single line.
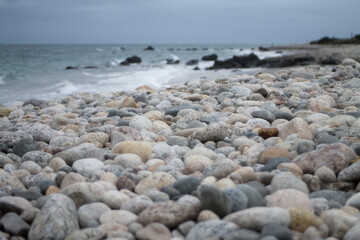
[[176, 21]]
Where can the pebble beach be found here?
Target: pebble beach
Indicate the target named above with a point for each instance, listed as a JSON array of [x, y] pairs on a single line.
[[264, 156]]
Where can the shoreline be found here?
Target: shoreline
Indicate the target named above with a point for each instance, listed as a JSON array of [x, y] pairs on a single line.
[[253, 155]]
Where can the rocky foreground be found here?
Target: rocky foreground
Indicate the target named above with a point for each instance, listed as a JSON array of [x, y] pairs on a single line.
[[249, 157]]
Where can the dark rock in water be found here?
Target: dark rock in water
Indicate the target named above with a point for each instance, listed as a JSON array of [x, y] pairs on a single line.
[[279, 231], [173, 111], [14, 225], [71, 68], [34, 102], [90, 67], [196, 69], [187, 185], [287, 61], [243, 234], [246, 61], [3, 147], [25, 145], [254, 197], [192, 62], [172, 61], [212, 229], [263, 49], [283, 115], [215, 200], [330, 61], [211, 57], [149, 48], [238, 198], [172, 192], [129, 60], [274, 162]]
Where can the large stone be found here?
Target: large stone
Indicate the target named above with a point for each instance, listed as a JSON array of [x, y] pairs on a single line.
[[257, 217], [89, 214], [94, 137], [339, 222], [115, 199], [154, 231], [215, 132], [87, 166], [335, 156], [155, 180], [87, 192], [255, 199], [41, 158], [84, 150], [118, 216], [170, 213], [351, 173], [215, 200], [287, 180], [212, 229], [286, 198], [303, 219], [14, 204], [353, 233], [354, 201], [137, 204], [7, 179], [40, 132], [187, 185], [296, 125], [239, 199], [142, 149], [56, 220], [140, 122], [25, 145], [14, 225], [128, 160], [87, 233], [273, 152], [129, 102]]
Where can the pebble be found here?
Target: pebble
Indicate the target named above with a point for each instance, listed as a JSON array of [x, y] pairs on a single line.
[[212, 229], [154, 231], [269, 156], [56, 219], [335, 156], [257, 217]]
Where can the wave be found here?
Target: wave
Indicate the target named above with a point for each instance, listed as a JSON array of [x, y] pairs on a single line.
[[260, 54], [66, 87]]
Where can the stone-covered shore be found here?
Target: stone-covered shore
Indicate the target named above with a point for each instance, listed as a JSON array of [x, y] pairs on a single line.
[[265, 156]]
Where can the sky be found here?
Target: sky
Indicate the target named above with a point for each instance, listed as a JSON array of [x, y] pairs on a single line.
[[176, 21]]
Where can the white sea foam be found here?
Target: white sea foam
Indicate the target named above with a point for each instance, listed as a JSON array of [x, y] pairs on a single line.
[[99, 49], [260, 54], [66, 87], [2, 82]]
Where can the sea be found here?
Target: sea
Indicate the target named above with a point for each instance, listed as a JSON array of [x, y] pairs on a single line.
[[39, 71]]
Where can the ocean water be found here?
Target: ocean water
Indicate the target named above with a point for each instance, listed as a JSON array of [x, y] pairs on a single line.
[[38, 71]]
